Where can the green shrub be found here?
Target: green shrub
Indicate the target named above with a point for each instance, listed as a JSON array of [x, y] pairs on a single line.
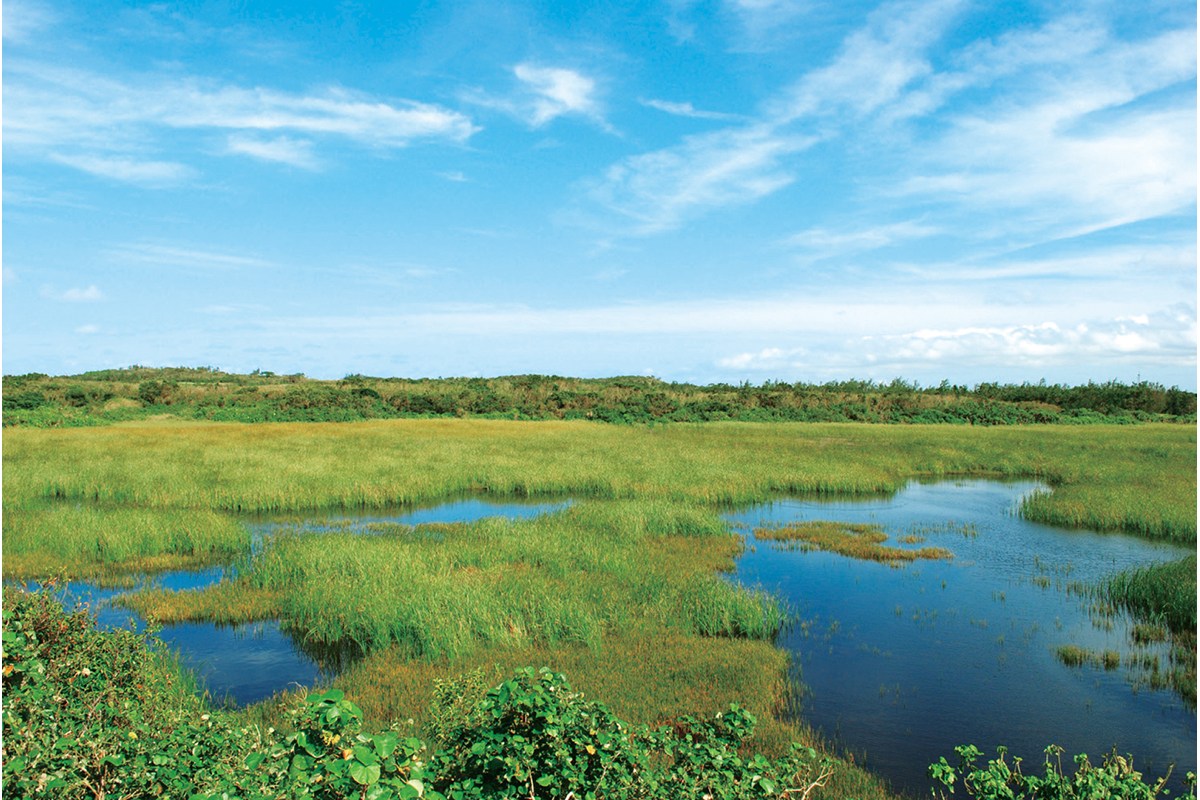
[[1116, 777]]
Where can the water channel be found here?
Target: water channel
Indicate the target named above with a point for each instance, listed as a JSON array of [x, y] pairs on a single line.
[[897, 665]]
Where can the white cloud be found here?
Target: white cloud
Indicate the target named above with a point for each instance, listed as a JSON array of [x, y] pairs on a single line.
[[23, 18], [165, 254], [687, 110], [110, 123], [87, 330], [128, 170], [297, 152], [1167, 341], [661, 190], [862, 239], [88, 295], [544, 94], [770, 358], [1171, 336], [557, 92], [1050, 132]]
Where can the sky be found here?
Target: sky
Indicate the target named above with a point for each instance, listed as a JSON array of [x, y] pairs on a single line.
[[724, 191]]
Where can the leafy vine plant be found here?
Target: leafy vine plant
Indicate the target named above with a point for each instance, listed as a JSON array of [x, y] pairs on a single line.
[[1115, 777]]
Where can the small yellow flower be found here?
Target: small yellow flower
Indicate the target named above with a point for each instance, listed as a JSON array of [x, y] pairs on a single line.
[[132, 735]]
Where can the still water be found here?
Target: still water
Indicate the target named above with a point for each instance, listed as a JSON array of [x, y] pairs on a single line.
[[247, 663], [900, 665], [897, 665]]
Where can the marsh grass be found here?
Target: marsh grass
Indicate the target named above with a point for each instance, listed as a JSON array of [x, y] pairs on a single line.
[[440, 591], [80, 540], [1162, 593], [1101, 476], [621, 591], [849, 539]]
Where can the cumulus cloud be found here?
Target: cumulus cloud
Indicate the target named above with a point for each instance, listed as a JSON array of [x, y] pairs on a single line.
[[1166, 336]]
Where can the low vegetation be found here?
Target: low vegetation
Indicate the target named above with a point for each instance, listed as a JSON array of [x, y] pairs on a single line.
[[999, 780], [440, 591], [105, 396], [1162, 598], [104, 714], [621, 590], [849, 539]]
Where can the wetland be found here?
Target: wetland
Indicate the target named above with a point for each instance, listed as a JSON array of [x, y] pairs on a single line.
[[652, 571]]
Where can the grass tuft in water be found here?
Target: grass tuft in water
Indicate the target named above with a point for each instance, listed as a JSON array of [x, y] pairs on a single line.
[[849, 539]]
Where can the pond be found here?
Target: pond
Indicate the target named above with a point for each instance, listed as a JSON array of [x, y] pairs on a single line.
[[900, 665], [247, 663]]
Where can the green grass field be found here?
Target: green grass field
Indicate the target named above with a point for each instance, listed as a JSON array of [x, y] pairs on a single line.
[[620, 591]]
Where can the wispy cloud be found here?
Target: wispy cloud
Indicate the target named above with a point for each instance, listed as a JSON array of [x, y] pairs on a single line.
[[862, 239], [1052, 132], [661, 190], [112, 123], [165, 254], [546, 93], [128, 170], [557, 92], [687, 110], [282, 149], [89, 295], [23, 18]]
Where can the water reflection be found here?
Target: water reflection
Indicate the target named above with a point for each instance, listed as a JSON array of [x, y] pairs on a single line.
[[900, 665]]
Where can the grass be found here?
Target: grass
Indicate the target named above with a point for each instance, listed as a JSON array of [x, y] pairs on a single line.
[[620, 590], [849, 539], [1162, 593], [80, 540], [441, 591], [1139, 478]]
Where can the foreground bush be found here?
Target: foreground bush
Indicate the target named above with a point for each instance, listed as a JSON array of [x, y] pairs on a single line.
[[1115, 778]]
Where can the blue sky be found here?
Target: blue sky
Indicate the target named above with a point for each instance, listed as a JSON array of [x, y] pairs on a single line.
[[701, 191]]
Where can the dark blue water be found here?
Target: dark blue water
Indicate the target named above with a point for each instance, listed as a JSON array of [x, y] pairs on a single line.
[[902, 664], [247, 663]]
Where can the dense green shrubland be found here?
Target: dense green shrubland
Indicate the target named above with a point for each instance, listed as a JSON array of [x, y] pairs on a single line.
[[97, 398]]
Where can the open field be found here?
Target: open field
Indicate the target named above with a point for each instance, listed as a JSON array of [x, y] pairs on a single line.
[[619, 591]]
